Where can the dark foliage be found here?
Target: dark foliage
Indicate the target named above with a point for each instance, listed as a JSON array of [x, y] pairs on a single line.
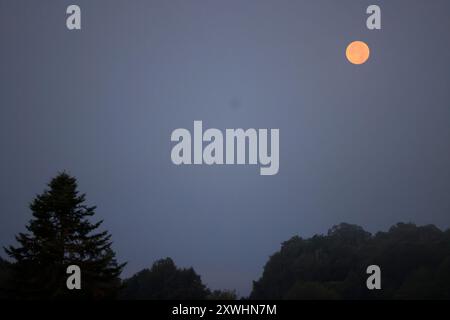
[[5, 277], [415, 264], [164, 281], [60, 234], [222, 295]]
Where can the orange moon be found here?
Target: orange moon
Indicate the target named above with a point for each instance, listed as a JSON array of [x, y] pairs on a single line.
[[358, 52]]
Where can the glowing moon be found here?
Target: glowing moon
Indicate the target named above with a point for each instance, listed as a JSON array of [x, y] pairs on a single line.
[[357, 52]]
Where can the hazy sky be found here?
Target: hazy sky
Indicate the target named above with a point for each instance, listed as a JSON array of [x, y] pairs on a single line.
[[367, 144]]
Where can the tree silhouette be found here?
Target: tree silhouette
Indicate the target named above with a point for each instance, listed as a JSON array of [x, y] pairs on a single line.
[[60, 234], [415, 263], [164, 281]]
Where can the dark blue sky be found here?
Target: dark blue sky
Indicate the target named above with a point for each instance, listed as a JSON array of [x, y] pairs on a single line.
[[367, 144]]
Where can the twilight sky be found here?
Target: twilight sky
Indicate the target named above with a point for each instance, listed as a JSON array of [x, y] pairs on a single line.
[[366, 144]]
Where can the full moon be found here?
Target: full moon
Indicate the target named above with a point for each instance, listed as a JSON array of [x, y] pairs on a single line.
[[357, 52]]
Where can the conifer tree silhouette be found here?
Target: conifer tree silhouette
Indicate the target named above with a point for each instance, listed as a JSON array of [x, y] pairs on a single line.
[[60, 234]]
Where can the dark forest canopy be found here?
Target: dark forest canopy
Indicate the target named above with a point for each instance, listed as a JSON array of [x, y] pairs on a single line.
[[415, 264], [164, 281]]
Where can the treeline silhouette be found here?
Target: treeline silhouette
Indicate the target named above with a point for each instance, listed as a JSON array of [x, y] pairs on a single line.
[[164, 281], [415, 261]]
